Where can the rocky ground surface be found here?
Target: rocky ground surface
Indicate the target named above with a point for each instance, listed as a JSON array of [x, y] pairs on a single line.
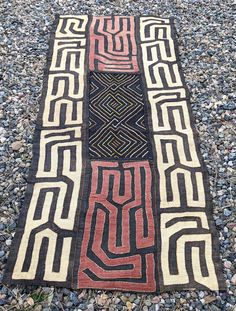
[[207, 48]]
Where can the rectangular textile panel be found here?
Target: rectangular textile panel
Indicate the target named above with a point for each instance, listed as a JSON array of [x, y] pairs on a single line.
[[118, 194]]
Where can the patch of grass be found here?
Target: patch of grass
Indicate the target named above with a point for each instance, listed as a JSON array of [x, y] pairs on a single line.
[[39, 297]]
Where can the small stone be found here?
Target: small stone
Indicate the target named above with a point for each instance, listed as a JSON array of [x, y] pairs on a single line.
[[117, 300], [155, 299], [129, 305], [90, 307], [83, 306], [132, 298], [209, 299], [219, 222], [16, 145], [30, 301], [233, 279], [2, 302], [227, 264], [101, 301], [201, 294], [2, 253], [232, 156], [229, 106], [148, 303], [124, 299], [82, 294], [165, 295], [227, 212], [69, 304], [8, 242], [14, 302], [104, 296], [137, 301], [231, 225], [119, 307], [74, 298]]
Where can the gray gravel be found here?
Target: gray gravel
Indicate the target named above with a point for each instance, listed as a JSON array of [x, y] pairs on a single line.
[[207, 47]]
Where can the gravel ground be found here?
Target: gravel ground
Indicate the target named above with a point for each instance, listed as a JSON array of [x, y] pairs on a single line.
[[208, 57]]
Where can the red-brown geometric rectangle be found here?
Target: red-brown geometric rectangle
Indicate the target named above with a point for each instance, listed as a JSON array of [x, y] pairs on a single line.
[[112, 44], [119, 235]]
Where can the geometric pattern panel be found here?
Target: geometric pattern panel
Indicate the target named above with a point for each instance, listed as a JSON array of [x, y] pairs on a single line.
[[117, 126], [112, 44], [43, 246], [119, 235], [118, 193], [186, 247]]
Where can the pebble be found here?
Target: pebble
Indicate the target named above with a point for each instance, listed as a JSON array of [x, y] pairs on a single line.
[[201, 294], [129, 305], [30, 301], [16, 145], [132, 298], [83, 306], [137, 301], [219, 222], [155, 299], [233, 280], [227, 264], [8, 242], [148, 303], [209, 299], [227, 212], [90, 307]]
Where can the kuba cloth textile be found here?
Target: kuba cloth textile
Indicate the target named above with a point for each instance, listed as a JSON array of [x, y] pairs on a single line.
[[117, 194]]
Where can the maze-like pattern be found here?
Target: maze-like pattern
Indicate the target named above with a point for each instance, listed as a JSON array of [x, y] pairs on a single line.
[[48, 235], [186, 242], [187, 250], [118, 242], [116, 116], [112, 44]]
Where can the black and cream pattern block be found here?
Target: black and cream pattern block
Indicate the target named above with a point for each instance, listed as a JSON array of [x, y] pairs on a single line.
[[187, 244]]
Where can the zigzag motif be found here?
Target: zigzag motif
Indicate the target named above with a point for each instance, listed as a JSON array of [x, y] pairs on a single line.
[[116, 113]]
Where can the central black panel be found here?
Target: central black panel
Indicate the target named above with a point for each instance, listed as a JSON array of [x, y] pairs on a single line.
[[117, 121]]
